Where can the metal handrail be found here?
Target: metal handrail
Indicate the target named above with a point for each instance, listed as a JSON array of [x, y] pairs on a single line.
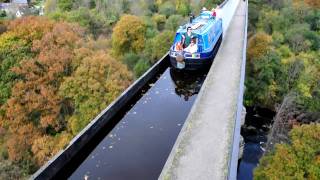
[[233, 161]]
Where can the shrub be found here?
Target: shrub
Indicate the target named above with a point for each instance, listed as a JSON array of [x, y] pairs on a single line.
[[160, 20], [141, 67], [159, 45], [168, 8], [183, 7], [65, 5], [174, 22], [131, 59]]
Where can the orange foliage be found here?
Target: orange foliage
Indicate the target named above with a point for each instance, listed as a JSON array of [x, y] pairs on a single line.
[[35, 117], [30, 27], [36, 95], [19, 143], [313, 3], [46, 146], [259, 45], [34, 108], [310, 3]]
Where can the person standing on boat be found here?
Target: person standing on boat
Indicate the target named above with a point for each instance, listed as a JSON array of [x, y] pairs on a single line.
[[217, 11], [214, 13], [186, 37]]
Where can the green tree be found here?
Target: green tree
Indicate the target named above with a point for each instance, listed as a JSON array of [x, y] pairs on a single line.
[[174, 22], [141, 67], [160, 21], [168, 8], [151, 27], [159, 45], [131, 59], [296, 39], [93, 21], [209, 4], [266, 86], [308, 82], [65, 5], [50, 6], [271, 20], [3, 14], [183, 7], [128, 35]]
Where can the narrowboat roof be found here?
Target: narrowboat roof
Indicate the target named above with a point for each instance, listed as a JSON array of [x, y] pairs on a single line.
[[200, 24]]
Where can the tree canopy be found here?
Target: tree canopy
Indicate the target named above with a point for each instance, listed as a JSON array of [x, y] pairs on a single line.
[[128, 35], [298, 160], [53, 82]]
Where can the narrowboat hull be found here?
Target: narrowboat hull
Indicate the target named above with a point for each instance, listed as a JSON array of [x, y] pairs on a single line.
[[203, 62]]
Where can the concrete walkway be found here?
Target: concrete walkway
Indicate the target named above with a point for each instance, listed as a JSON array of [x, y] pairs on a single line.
[[202, 150]]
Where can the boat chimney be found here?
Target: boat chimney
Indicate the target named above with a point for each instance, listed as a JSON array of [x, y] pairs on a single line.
[[191, 17]]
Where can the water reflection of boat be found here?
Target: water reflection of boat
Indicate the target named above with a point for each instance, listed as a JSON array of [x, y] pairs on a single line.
[[187, 84]]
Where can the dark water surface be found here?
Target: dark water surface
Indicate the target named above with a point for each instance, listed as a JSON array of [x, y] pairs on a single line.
[[139, 145], [254, 132]]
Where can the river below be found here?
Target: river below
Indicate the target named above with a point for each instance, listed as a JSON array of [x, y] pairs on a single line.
[[255, 131]]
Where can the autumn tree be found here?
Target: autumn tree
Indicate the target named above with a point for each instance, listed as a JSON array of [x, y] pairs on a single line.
[[36, 92], [34, 107], [259, 45], [97, 81], [312, 3], [298, 160], [9, 170], [46, 146], [19, 145], [3, 27], [128, 35], [16, 45]]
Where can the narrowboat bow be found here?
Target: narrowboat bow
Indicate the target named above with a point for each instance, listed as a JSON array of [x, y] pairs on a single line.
[[207, 31]]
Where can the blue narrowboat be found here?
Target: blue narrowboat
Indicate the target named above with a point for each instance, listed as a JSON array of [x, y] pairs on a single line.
[[206, 35]]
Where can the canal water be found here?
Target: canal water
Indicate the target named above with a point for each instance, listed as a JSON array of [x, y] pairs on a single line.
[[140, 143], [255, 130]]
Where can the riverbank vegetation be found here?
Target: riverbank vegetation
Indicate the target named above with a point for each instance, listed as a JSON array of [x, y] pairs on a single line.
[[59, 71], [283, 74]]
